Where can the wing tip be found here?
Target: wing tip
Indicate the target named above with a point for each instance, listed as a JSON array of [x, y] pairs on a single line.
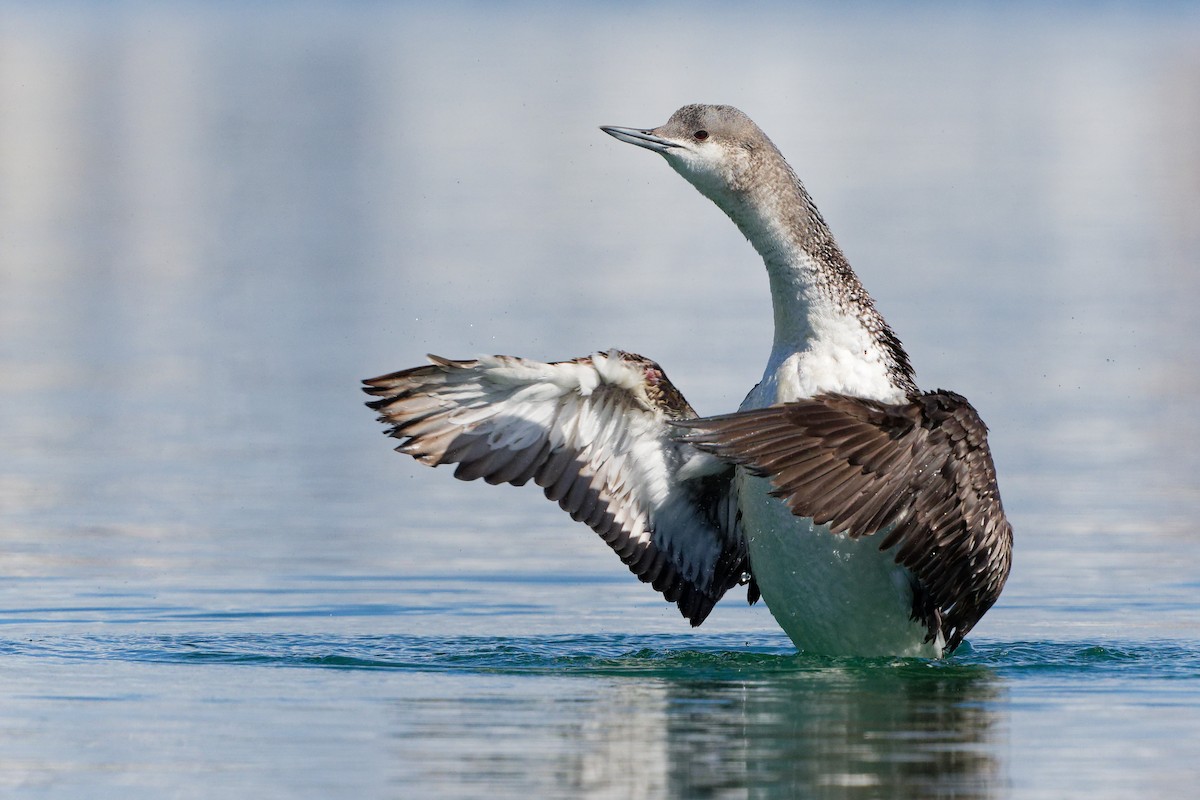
[[384, 382]]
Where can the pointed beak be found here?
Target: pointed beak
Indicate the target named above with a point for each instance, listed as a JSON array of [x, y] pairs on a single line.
[[641, 138]]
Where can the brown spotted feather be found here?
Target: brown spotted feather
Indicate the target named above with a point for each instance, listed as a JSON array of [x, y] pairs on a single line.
[[920, 474]]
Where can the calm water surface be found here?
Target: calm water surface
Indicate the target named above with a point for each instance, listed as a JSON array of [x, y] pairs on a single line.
[[220, 582]]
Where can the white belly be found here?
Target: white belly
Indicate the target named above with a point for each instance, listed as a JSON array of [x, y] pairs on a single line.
[[831, 594]]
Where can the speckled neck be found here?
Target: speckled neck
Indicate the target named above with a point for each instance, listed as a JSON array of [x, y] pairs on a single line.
[[827, 330]]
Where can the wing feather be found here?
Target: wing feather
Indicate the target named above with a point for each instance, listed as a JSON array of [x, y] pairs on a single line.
[[596, 434], [919, 474]]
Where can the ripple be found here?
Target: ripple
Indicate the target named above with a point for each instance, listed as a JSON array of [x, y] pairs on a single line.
[[659, 654]]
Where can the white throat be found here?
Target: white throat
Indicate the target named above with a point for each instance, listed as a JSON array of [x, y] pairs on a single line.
[[825, 325]]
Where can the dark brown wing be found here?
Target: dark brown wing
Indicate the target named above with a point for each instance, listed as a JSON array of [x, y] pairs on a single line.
[[596, 434], [920, 473]]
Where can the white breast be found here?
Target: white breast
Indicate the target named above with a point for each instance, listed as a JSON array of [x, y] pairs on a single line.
[[832, 594]]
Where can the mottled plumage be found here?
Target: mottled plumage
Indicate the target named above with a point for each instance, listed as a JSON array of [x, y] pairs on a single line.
[[866, 512], [919, 475], [595, 434]]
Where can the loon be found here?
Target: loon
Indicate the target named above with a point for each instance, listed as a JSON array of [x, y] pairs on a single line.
[[863, 511]]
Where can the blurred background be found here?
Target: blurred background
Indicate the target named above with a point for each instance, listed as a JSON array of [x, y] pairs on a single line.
[[216, 218]]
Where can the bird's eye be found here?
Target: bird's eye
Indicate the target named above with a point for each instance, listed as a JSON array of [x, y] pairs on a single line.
[[700, 136]]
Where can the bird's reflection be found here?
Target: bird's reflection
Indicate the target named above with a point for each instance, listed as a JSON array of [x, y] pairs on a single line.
[[911, 730]]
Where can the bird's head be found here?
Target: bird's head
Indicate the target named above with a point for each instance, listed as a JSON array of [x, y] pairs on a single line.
[[718, 149]]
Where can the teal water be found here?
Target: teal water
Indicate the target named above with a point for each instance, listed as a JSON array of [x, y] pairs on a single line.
[[218, 580], [613, 714], [667, 656]]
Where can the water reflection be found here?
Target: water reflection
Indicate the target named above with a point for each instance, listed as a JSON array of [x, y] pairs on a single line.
[[838, 733], [877, 731]]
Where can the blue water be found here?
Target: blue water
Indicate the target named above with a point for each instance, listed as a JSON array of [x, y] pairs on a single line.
[[214, 221], [665, 714]]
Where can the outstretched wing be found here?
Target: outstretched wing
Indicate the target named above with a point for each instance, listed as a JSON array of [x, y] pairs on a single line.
[[596, 434], [920, 473]]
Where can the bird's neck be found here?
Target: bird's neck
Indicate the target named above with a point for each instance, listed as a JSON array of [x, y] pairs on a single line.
[[828, 335]]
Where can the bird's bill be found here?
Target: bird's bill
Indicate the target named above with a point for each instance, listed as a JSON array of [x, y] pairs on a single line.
[[639, 137]]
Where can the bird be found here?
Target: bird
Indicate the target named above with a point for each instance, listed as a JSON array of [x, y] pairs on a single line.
[[863, 511]]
